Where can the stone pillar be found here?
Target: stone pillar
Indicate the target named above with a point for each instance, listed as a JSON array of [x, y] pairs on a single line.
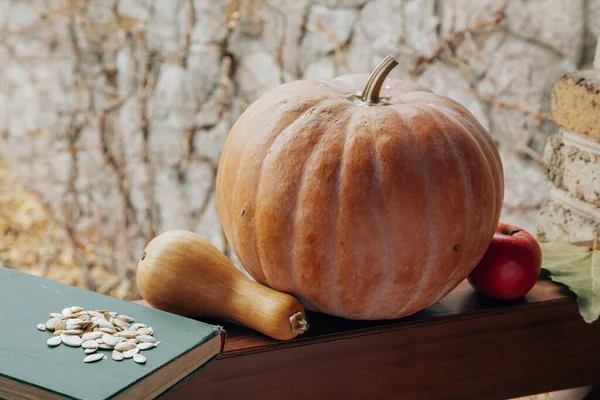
[[572, 159]]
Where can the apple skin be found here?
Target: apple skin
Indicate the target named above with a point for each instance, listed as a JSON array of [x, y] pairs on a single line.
[[511, 265]]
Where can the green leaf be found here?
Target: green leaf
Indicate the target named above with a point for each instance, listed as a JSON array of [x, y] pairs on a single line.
[[578, 268]]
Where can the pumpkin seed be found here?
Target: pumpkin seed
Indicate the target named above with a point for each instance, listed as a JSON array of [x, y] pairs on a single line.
[[146, 338], [86, 326], [120, 323], [109, 339], [61, 325], [93, 358], [124, 346], [74, 323], [128, 334], [92, 335], [102, 323], [145, 331], [99, 329], [131, 352], [89, 344], [95, 314], [73, 331], [54, 341], [117, 355], [71, 340], [146, 345], [126, 318], [51, 323], [138, 358]]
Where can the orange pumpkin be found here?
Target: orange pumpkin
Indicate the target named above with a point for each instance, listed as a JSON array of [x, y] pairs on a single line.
[[369, 204]]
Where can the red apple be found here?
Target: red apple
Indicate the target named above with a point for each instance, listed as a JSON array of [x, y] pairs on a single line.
[[511, 265]]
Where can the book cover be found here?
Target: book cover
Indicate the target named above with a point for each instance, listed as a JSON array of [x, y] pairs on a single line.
[[30, 368]]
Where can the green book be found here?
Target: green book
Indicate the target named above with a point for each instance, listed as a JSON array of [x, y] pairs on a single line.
[[30, 368]]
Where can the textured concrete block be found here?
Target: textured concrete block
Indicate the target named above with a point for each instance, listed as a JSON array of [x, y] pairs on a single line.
[[554, 160], [572, 163], [563, 218]]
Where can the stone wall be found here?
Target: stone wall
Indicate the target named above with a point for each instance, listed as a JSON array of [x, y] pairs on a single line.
[[116, 115]]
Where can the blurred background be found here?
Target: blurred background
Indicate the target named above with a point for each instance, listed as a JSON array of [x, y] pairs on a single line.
[[113, 112]]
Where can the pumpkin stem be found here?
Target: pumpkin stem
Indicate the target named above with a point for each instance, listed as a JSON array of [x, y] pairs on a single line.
[[298, 323], [373, 87]]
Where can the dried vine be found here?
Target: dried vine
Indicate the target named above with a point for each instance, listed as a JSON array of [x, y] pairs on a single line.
[[447, 44]]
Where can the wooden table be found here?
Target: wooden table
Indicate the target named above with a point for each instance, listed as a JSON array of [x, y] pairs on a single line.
[[464, 347]]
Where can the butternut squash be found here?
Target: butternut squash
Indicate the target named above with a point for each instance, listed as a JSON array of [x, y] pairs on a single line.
[[183, 273]]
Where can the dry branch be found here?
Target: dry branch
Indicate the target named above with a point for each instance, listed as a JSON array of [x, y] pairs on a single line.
[[228, 62], [521, 207], [190, 133], [191, 21], [147, 86], [42, 18], [520, 147], [322, 30], [446, 45], [507, 105]]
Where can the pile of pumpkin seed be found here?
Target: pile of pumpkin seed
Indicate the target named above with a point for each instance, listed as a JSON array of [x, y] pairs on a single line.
[[93, 330]]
